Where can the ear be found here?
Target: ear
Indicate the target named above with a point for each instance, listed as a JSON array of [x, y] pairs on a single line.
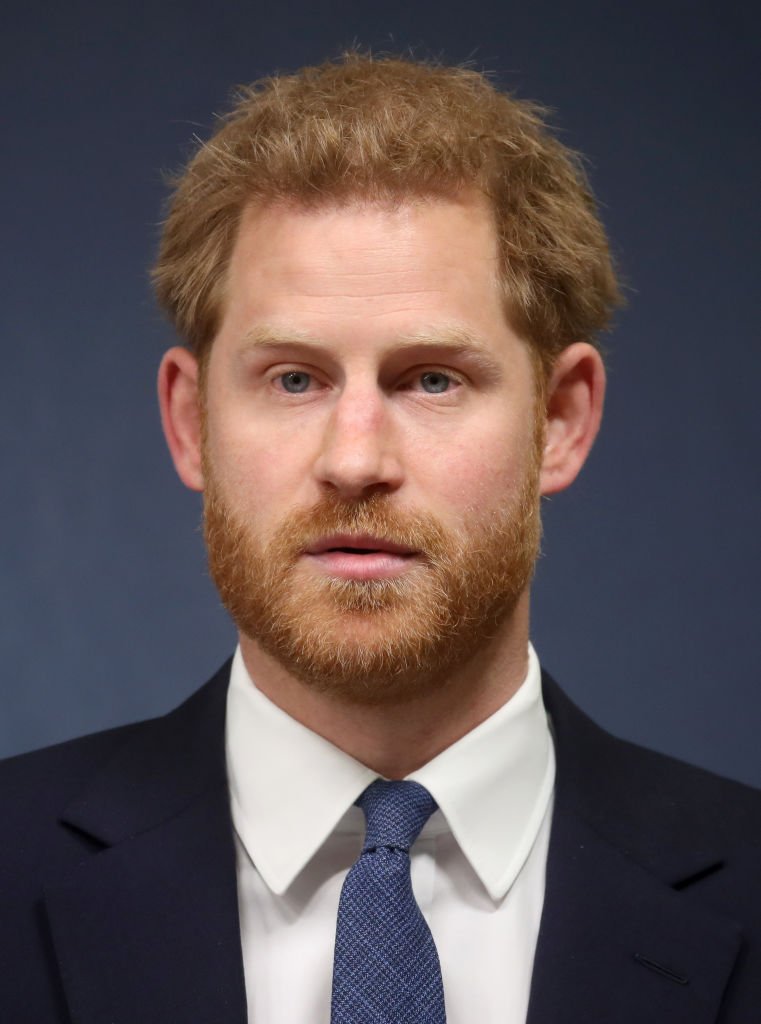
[[574, 401], [180, 406]]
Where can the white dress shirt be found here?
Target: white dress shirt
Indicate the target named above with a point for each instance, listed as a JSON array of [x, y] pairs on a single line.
[[478, 867]]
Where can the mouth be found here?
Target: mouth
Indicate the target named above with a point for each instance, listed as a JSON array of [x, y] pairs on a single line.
[[360, 556]]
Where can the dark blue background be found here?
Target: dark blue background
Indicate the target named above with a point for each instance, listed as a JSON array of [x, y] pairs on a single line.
[[647, 604]]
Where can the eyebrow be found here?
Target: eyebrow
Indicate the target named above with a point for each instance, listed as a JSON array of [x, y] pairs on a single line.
[[266, 337], [445, 340]]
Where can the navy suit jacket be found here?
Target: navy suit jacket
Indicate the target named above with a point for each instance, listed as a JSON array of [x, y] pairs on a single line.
[[118, 896]]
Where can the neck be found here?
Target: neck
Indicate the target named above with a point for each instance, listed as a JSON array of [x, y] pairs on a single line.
[[396, 739]]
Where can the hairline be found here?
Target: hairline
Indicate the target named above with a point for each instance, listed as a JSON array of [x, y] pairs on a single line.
[[541, 360]]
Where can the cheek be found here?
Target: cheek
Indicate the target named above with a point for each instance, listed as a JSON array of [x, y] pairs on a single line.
[[249, 470], [485, 468], [470, 476]]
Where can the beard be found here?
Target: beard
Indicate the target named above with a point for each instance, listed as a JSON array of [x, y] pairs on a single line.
[[374, 641]]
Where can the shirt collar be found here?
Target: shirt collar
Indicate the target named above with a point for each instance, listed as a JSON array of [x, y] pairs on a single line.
[[289, 787], [494, 784]]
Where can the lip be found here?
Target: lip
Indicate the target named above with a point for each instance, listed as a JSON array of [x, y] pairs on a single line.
[[360, 557], [358, 542]]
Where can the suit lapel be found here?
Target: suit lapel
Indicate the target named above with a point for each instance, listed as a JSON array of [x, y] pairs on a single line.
[[617, 940], [146, 928], [616, 944]]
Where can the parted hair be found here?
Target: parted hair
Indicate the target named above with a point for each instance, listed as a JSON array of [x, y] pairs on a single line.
[[387, 129]]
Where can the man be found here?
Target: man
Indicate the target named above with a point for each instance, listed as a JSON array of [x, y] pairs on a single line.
[[389, 279]]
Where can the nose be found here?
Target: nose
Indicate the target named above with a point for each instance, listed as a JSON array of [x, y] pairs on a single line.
[[358, 453]]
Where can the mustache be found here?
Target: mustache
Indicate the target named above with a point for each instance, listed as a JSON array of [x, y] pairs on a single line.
[[373, 515]]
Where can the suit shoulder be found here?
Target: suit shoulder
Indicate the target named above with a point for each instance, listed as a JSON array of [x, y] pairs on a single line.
[[136, 763], [34, 782], [687, 790], [55, 771], [650, 793]]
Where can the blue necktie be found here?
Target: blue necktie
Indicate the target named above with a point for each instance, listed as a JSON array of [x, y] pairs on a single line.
[[386, 968]]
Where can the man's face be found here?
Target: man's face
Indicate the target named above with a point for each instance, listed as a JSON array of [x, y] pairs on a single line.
[[372, 446]]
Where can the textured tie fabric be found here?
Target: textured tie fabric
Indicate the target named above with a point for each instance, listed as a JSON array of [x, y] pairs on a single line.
[[386, 968]]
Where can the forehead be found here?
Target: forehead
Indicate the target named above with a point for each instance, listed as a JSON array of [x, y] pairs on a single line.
[[364, 243], [365, 272]]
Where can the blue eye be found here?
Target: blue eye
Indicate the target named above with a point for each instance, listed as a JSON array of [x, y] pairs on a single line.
[[295, 382], [435, 382]]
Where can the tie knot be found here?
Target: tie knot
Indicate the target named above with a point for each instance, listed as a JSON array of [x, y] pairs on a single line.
[[395, 813]]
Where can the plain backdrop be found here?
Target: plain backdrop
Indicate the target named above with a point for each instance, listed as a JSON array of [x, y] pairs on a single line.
[[646, 601]]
